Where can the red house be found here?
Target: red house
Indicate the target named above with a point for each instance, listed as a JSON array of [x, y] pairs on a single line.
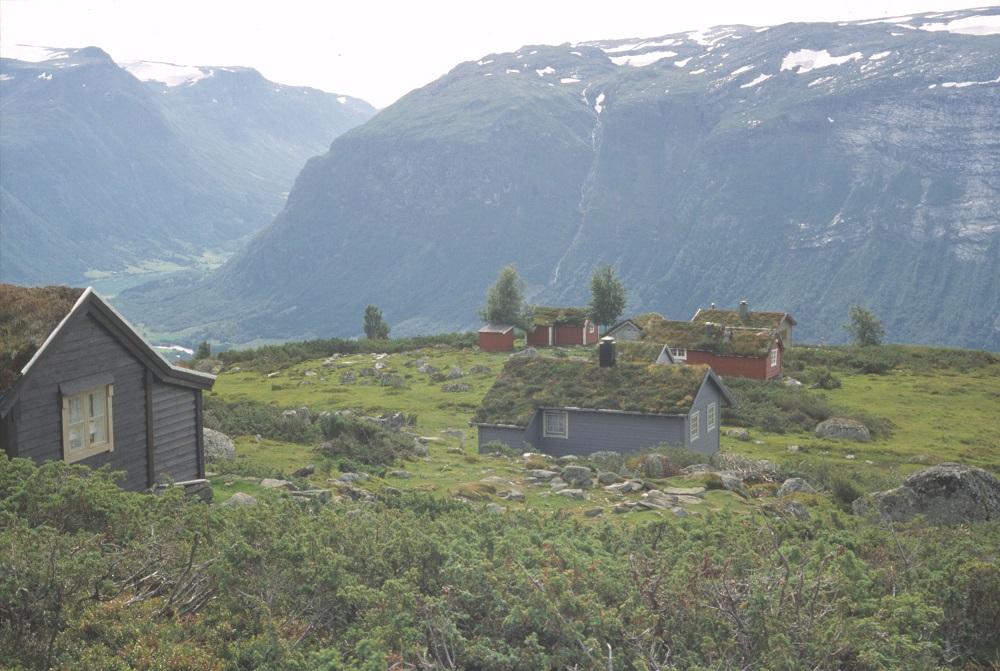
[[561, 327], [730, 351], [496, 338]]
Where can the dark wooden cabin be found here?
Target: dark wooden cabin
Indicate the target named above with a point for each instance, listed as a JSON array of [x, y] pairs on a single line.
[[77, 383]]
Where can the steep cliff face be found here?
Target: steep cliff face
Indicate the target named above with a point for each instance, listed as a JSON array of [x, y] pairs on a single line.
[[106, 168], [805, 167]]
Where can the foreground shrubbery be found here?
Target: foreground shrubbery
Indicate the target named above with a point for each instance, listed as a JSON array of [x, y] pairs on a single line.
[[275, 357], [95, 578]]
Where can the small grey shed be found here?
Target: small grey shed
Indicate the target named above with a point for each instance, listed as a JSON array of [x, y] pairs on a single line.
[[79, 384]]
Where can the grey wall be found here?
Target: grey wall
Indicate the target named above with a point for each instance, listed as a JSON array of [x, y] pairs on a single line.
[[84, 348], [708, 441], [595, 431]]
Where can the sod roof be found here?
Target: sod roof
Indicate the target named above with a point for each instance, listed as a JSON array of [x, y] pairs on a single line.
[[526, 384], [27, 316], [754, 320], [545, 316], [710, 337]]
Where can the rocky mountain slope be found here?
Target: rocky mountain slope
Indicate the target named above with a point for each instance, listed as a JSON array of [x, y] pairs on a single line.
[[805, 167], [146, 166]]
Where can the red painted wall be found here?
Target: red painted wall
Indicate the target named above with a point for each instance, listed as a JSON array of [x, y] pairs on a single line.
[[539, 337], [563, 336], [757, 368], [497, 342]]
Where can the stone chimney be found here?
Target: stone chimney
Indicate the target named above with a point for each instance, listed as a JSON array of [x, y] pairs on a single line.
[[744, 310], [606, 352], [711, 306]]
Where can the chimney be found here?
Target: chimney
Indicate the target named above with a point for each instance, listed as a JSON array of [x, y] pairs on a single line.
[[744, 310], [606, 352], [711, 306]]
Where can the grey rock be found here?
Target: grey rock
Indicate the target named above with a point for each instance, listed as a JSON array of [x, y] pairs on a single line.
[[495, 508], [218, 445], [527, 352], [455, 372], [607, 478], [240, 499], [456, 387], [948, 493], [593, 512], [353, 477], [622, 508], [402, 475], [567, 459], [426, 368], [273, 483], [421, 450], [578, 476], [305, 471], [557, 484], [680, 512], [789, 509], [320, 495], [791, 382], [655, 466], [541, 474], [512, 495], [576, 494], [792, 485], [697, 468], [843, 428], [738, 434], [684, 491]]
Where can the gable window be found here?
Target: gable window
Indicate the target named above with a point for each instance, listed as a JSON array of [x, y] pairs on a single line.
[[679, 353], [774, 357], [555, 424], [695, 419], [710, 418], [86, 420]]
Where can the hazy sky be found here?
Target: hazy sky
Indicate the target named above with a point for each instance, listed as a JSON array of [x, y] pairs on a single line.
[[379, 50]]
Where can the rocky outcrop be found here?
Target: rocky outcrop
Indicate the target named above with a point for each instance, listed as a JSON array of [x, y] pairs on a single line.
[[218, 445], [843, 428], [793, 485], [948, 493]]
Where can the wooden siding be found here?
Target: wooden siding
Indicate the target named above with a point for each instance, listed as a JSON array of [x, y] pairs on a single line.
[[83, 348], [708, 441], [175, 436], [496, 342], [562, 336], [757, 368]]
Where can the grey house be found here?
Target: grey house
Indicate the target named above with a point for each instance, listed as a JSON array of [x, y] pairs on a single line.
[[559, 407], [78, 384]]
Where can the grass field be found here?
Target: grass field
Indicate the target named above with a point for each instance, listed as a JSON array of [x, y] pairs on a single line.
[[938, 414]]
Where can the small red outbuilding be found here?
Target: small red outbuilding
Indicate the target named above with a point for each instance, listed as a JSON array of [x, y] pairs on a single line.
[[496, 338]]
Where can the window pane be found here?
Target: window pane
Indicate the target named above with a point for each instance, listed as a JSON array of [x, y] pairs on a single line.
[[75, 409], [97, 404], [97, 431], [76, 437]]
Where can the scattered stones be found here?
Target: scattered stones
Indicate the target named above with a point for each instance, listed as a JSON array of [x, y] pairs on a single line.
[[567, 459], [684, 491], [273, 375], [793, 485], [512, 495], [948, 493], [402, 475], [558, 483], [680, 512], [789, 509], [655, 466], [391, 491], [495, 508], [304, 472], [353, 477], [601, 455], [541, 474], [576, 494], [607, 478], [578, 476], [218, 445], [527, 352], [791, 382], [426, 368], [480, 370], [593, 512], [622, 508], [738, 434], [697, 469], [319, 495], [455, 372], [392, 420], [310, 373], [843, 428], [496, 480], [850, 457], [456, 387], [421, 450], [625, 487], [347, 377], [240, 499], [430, 439], [792, 449], [274, 483], [379, 365]]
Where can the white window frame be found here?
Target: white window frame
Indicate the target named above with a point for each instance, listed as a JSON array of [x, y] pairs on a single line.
[[678, 353], [86, 423], [546, 432], [774, 357], [711, 417], [695, 424]]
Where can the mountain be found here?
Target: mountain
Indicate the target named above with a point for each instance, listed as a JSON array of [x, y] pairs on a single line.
[[150, 166], [804, 167]]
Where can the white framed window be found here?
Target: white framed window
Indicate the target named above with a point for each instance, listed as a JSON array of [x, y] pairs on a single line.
[[679, 353], [555, 424], [86, 421], [710, 418], [695, 420], [774, 357]]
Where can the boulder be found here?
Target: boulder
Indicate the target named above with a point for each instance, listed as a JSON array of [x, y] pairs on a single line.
[[273, 483], [843, 428], [696, 469], [455, 373], [607, 478], [593, 512], [495, 508], [789, 508], [624, 487], [738, 434], [684, 491], [576, 494], [567, 459], [792, 485], [622, 508], [402, 475], [948, 493], [578, 476], [240, 499], [557, 484], [218, 445], [655, 466], [319, 495], [541, 474], [512, 495], [680, 512], [304, 472], [527, 352], [353, 477]]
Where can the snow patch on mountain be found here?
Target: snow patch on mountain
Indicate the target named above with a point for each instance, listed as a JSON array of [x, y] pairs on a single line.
[[759, 79], [642, 60], [30, 53], [547, 70], [739, 71], [879, 56], [807, 60], [981, 24], [682, 62], [170, 74]]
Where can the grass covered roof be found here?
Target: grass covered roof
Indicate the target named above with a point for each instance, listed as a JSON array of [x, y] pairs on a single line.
[[710, 337], [545, 316], [526, 384], [754, 320], [27, 316]]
